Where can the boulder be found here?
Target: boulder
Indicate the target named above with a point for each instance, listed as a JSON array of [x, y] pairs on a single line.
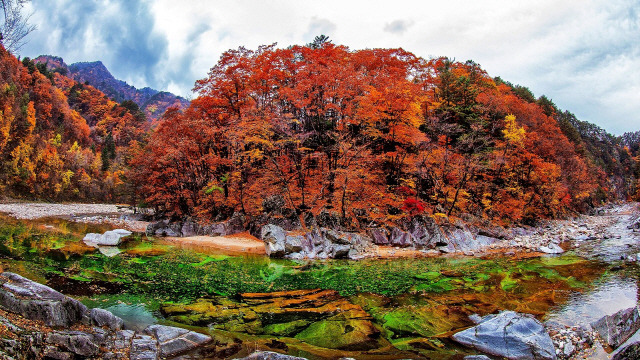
[[510, 335], [617, 328], [101, 317], [552, 248], [38, 302], [174, 341], [631, 351], [275, 239], [380, 236], [109, 238], [76, 342], [269, 355], [400, 238], [143, 347], [476, 357]]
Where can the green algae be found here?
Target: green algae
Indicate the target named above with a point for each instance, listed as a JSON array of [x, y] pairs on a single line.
[[412, 303]]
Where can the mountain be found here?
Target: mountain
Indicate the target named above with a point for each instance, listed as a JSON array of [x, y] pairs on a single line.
[[152, 102], [61, 139]]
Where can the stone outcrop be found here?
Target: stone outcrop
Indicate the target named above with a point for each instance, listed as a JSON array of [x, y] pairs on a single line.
[[73, 331], [38, 302], [631, 351], [421, 233], [510, 335], [320, 243], [615, 329], [185, 228]]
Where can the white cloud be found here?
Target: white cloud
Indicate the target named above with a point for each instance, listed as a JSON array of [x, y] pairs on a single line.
[[584, 54]]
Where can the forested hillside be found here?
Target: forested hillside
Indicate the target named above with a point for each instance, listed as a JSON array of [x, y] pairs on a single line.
[[60, 139], [359, 136], [152, 102], [372, 136]]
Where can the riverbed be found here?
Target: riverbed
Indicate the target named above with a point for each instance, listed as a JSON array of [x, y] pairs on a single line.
[[390, 308]]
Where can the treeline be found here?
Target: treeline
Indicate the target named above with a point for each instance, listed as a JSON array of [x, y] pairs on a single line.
[[372, 136], [360, 136], [61, 140]]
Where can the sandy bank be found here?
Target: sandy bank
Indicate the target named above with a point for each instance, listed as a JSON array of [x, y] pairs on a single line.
[[242, 243]]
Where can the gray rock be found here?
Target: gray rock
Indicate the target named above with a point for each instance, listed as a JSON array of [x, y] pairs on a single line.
[[569, 349], [511, 335], [293, 243], [269, 355], [76, 342], [274, 238], [617, 328], [380, 236], [92, 238], [476, 357], [101, 317], [631, 351], [123, 339], [174, 341], [164, 333], [38, 302], [52, 352], [400, 238], [143, 347]]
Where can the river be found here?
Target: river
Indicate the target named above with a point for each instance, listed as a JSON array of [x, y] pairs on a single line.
[[368, 309]]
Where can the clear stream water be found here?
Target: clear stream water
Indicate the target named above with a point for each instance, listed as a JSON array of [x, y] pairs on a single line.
[[413, 305]]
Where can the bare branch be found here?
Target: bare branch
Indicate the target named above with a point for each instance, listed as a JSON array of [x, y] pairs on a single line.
[[15, 27]]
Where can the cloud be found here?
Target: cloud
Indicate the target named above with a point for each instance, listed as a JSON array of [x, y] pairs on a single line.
[[583, 55], [117, 32], [318, 27], [398, 26]]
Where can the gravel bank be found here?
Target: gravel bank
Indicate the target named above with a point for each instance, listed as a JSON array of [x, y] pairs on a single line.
[[119, 216]]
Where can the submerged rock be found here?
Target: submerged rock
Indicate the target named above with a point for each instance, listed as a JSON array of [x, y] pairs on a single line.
[[318, 317], [269, 355], [511, 335], [617, 328], [352, 334]]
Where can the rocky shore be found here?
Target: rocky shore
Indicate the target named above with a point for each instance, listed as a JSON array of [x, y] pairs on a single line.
[[37, 322], [425, 236]]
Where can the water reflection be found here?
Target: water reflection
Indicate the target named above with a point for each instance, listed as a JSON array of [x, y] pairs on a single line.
[[609, 295]]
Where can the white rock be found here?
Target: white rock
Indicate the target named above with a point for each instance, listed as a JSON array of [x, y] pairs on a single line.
[[122, 232], [551, 249], [109, 238]]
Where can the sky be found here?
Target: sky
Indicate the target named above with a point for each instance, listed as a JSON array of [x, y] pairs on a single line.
[[582, 54]]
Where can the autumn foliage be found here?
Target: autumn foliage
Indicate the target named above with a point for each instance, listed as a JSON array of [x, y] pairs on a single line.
[[53, 131], [368, 135], [363, 136]]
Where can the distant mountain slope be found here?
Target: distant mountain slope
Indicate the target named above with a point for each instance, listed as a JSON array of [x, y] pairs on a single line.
[[151, 101]]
